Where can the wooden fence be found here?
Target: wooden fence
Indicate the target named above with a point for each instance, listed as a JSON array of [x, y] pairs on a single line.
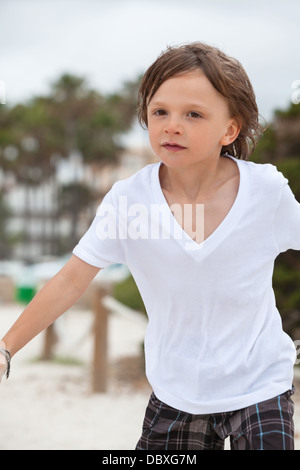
[[100, 334]]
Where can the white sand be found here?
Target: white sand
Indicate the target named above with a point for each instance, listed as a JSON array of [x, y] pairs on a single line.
[[45, 406]]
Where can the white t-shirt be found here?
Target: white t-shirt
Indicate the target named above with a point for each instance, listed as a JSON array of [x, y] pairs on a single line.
[[214, 340]]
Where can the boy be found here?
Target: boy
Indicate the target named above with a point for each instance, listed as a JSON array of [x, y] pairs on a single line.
[[200, 231]]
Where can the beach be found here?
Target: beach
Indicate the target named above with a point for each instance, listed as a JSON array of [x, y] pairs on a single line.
[[51, 406]]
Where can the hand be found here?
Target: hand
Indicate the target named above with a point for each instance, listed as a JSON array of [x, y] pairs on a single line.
[[3, 363]]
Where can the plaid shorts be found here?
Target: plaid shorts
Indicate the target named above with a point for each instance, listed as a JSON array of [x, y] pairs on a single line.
[[264, 426]]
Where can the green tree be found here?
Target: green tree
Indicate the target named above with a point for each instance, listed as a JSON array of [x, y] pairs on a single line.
[[88, 124]]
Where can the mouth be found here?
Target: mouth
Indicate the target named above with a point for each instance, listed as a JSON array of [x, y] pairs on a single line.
[[172, 147]]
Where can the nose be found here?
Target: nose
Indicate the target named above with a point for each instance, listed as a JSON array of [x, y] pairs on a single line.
[[173, 126]]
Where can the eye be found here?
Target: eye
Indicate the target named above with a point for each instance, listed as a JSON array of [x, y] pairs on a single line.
[[160, 112], [194, 115]]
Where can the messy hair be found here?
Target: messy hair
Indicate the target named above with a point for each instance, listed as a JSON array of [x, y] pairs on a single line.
[[227, 76]]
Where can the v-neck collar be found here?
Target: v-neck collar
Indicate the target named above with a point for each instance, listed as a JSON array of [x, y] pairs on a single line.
[[223, 229]]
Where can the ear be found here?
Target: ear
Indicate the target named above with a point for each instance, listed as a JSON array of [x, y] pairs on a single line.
[[232, 132]]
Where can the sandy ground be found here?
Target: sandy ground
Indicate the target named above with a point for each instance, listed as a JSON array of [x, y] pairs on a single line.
[[50, 406]]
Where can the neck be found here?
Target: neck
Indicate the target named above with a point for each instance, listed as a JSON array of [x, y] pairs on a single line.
[[191, 181]]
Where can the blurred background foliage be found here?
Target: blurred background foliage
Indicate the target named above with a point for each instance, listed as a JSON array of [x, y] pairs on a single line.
[[127, 292]]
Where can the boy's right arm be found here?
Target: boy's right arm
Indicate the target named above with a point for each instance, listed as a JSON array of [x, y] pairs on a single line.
[[55, 298]]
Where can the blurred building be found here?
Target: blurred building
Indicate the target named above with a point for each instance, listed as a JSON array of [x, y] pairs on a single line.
[[38, 227]]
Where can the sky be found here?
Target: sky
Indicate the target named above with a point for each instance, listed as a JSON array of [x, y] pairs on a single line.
[[110, 42]]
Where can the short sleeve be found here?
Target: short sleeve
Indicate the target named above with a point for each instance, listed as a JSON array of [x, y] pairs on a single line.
[[101, 245], [287, 221]]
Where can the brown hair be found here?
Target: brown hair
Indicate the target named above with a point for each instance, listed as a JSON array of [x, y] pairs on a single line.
[[225, 73]]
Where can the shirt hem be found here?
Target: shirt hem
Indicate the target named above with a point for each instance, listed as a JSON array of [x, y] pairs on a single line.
[[222, 406], [84, 256]]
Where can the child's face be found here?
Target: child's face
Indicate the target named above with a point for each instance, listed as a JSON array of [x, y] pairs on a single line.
[[189, 121]]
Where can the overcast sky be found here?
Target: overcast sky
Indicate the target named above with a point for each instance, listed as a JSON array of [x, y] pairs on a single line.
[[109, 42]]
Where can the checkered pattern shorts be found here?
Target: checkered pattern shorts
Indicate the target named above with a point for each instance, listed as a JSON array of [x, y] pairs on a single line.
[[264, 426]]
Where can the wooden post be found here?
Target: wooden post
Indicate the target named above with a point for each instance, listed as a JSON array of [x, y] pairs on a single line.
[[50, 339], [100, 359]]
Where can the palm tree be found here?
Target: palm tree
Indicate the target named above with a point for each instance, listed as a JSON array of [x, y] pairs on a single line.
[[88, 125]]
